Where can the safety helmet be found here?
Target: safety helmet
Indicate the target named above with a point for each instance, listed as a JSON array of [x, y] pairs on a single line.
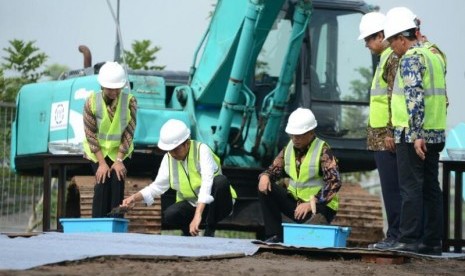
[[408, 13], [112, 75], [172, 134], [300, 121], [399, 19], [371, 23]]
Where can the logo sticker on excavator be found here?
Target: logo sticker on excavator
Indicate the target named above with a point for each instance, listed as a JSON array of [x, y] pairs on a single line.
[[59, 116]]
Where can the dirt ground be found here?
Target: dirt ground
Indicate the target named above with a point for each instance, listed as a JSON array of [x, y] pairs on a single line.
[[264, 263]]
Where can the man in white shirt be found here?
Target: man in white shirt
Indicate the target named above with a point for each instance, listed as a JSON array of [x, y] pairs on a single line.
[[194, 172]]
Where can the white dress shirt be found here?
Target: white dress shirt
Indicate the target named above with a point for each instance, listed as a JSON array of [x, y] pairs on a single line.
[[161, 183]]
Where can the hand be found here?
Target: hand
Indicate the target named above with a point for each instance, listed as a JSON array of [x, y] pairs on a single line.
[[302, 210], [103, 172], [390, 144], [194, 226], [264, 184], [129, 202], [120, 170], [420, 148]]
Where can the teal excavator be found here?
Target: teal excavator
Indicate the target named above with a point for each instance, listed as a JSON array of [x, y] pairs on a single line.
[[257, 61]]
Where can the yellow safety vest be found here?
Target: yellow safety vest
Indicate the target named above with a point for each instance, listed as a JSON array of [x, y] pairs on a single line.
[[434, 86], [442, 55], [379, 104], [109, 131], [309, 181], [187, 185]]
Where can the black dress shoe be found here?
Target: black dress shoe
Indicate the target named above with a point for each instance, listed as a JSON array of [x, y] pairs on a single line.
[[408, 247], [274, 239], [387, 243], [430, 250], [209, 232]]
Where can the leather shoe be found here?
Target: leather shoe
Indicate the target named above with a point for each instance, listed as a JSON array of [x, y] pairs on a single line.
[[408, 247], [387, 243], [430, 250], [274, 239], [209, 233]]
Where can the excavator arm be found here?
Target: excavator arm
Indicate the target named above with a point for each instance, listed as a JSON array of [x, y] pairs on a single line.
[[219, 82]]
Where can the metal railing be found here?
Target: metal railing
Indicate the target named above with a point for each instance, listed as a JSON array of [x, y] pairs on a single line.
[[20, 196]]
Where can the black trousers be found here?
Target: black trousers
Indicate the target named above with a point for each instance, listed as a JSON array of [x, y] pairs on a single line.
[[278, 202], [421, 215], [180, 214], [107, 195], [386, 162]]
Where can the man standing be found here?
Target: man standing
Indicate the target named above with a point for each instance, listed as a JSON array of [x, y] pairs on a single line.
[[203, 193], [380, 137], [311, 194], [419, 119], [109, 124]]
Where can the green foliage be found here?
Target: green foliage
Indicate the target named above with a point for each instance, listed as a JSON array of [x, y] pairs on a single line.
[[55, 70], [361, 86], [10, 88], [354, 119], [261, 67], [24, 59], [142, 56], [2, 83]]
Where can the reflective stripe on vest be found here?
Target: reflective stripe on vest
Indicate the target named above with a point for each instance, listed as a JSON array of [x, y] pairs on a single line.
[[101, 111], [308, 183], [109, 131], [433, 82], [379, 109], [187, 183]]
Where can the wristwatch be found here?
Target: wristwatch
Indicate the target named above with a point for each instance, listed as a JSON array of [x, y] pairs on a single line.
[[119, 160]]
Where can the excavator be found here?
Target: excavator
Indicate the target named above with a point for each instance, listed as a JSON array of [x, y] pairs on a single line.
[[256, 62]]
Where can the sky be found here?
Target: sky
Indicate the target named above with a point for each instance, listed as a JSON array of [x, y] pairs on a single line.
[[59, 27]]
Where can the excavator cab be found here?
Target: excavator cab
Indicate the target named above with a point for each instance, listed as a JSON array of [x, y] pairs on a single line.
[[332, 78]]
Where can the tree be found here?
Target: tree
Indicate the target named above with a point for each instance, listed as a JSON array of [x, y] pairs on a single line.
[[25, 59], [361, 86], [2, 83], [354, 119], [142, 56], [55, 70]]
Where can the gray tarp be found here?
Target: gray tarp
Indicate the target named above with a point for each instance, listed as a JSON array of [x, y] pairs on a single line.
[[52, 247]]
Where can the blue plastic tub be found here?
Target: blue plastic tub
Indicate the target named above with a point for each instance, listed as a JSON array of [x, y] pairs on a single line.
[[79, 225], [315, 235]]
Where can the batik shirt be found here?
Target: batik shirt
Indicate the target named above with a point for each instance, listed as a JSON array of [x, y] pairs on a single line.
[[412, 68]]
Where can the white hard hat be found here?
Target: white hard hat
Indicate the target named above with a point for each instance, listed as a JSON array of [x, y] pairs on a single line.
[[399, 19], [300, 121], [403, 11], [371, 23], [172, 134], [112, 75]]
